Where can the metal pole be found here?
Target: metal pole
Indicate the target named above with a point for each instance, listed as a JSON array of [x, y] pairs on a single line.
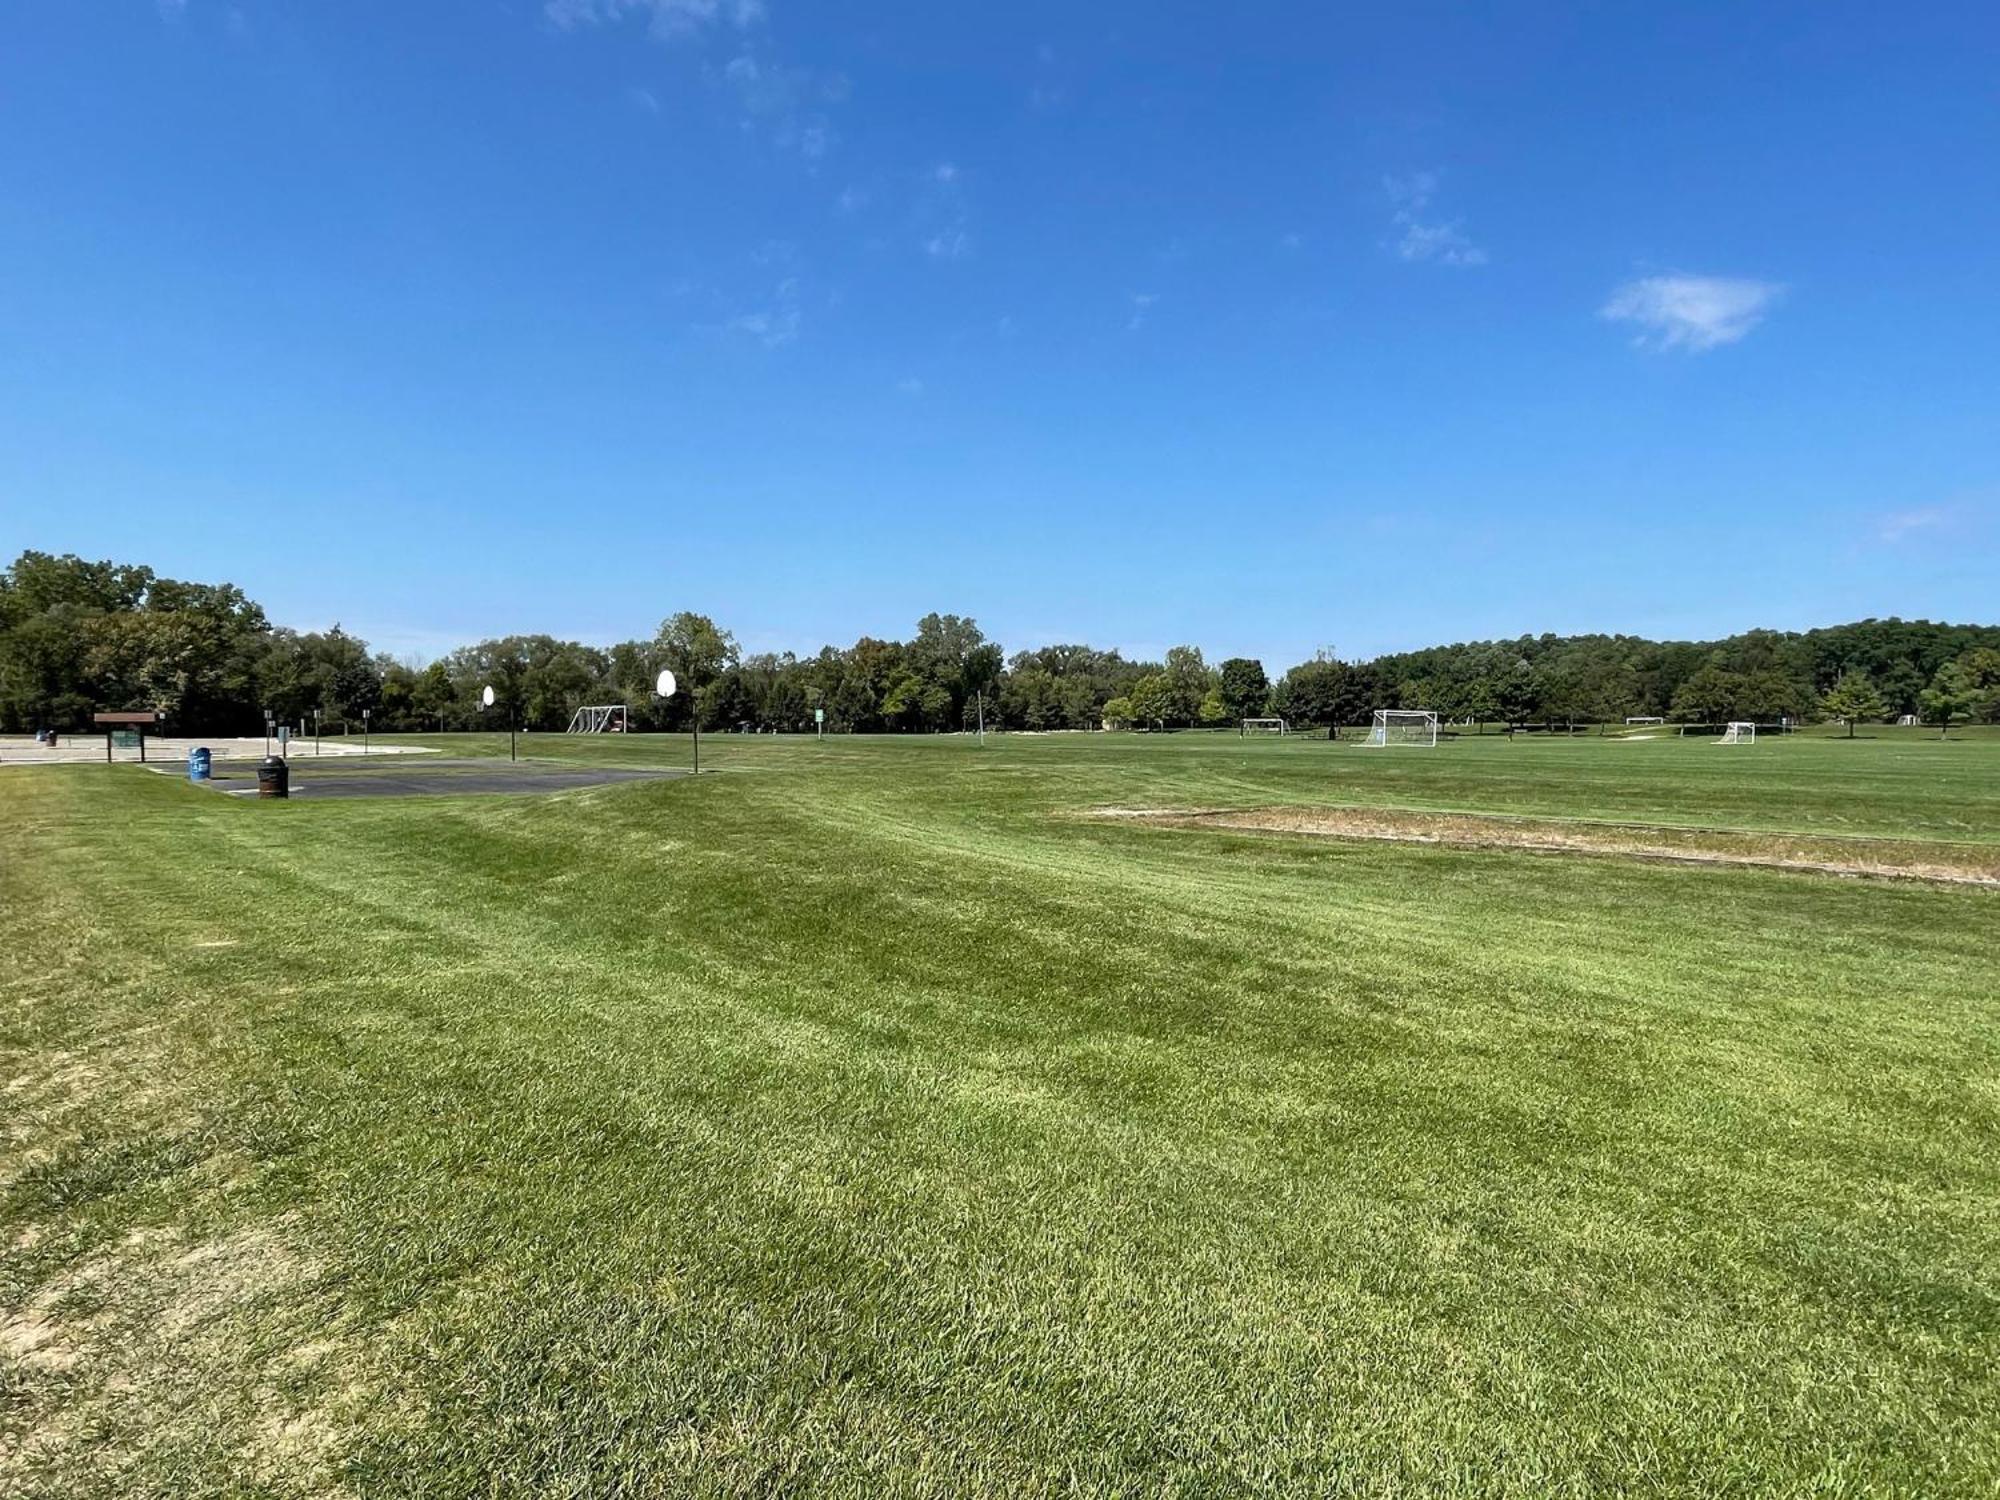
[[510, 736], [982, 718], [694, 709]]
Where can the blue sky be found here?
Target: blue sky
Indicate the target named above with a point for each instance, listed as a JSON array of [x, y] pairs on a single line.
[[1267, 327]]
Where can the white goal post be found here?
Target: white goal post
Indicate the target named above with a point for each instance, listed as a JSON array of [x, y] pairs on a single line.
[[1404, 726], [600, 718], [1264, 726], [1739, 732], [1644, 719]]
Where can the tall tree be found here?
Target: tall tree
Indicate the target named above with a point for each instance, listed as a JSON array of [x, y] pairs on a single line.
[[1853, 699], [1246, 691], [1951, 695]]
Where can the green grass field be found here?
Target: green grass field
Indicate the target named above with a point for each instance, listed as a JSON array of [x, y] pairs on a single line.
[[864, 1121]]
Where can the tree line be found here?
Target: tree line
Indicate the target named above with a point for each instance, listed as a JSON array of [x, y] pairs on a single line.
[[79, 636]]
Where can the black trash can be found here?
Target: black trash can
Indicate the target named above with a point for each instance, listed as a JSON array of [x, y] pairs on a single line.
[[274, 777]]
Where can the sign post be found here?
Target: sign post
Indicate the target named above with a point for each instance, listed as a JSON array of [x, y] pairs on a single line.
[[819, 722], [364, 731]]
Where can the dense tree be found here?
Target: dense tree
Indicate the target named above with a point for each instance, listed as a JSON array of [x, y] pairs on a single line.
[[77, 636], [1246, 691], [1950, 696], [1711, 696], [1852, 700], [1187, 682]]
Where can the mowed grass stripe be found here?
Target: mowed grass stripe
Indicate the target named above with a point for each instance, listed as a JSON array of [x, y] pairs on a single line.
[[880, 1130]]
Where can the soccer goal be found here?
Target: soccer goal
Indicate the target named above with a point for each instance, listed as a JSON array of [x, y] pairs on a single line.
[[1632, 719], [599, 718], [1404, 726], [1264, 726], [1739, 732]]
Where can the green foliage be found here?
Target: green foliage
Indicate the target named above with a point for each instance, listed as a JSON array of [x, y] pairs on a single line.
[[77, 636], [1246, 691], [1951, 695], [1853, 700]]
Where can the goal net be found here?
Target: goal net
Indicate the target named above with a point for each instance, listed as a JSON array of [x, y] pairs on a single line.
[[1631, 719], [598, 718], [1404, 726], [1738, 733], [1264, 726]]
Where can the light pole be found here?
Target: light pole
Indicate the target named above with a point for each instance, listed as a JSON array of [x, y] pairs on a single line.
[[665, 685], [486, 701]]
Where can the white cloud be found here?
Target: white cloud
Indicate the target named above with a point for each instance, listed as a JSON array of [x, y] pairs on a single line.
[[1421, 237], [1679, 311], [1900, 525], [1142, 304], [949, 243], [945, 172], [666, 19], [776, 100], [773, 326]]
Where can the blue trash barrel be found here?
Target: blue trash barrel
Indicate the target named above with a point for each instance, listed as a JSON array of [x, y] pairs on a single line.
[[198, 760]]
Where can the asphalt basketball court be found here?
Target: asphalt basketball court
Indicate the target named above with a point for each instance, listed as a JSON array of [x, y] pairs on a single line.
[[428, 776]]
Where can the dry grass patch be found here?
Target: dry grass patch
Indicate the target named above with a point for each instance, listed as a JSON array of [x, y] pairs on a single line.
[[1891, 859]]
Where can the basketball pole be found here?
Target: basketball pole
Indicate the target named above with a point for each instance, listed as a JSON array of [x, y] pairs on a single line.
[[694, 710]]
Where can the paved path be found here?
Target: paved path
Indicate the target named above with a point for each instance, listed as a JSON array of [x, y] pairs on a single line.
[[21, 749], [427, 778]]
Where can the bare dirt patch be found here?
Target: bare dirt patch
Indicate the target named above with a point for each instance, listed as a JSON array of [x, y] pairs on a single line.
[[1888, 859]]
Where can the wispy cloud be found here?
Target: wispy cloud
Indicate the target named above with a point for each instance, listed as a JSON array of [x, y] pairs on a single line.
[[644, 100], [783, 103], [1419, 235], [773, 326], [948, 243], [1695, 313], [1048, 91], [666, 19], [940, 216], [1142, 303], [1894, 528]]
